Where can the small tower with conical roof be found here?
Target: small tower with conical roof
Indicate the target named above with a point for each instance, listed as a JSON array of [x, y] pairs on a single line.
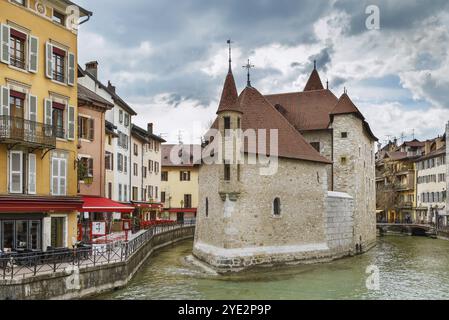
[[314, 82], [229, 124]]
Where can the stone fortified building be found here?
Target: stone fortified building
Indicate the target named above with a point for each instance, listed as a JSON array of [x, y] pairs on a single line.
[[320, 205]]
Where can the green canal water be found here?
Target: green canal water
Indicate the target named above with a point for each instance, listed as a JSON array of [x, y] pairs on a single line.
[[410, 268]]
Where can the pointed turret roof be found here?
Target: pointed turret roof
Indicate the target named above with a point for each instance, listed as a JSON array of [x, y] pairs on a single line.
[[314, 82], [346, 106], [229, 96]]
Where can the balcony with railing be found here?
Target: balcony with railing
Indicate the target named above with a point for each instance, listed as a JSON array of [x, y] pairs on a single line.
[[28, 133]]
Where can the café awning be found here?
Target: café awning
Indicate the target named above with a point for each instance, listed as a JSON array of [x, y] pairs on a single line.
[[97, 204]]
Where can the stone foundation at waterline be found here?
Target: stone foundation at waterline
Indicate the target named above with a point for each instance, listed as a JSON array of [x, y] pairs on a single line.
[[338, 222]]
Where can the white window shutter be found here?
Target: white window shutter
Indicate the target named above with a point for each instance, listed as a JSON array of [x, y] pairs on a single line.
[[32, 108], [4, 103], [5, 34], [71, 69], [15, 172], [48, 118], [49, 60], [33, 65], [62, 176], [71, 123], [32, 173], [54, 176]]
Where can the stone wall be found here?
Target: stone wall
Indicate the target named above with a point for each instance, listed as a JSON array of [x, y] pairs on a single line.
[[79, 283], [340, 223], [324, 137], [447, 168], [354, 173]]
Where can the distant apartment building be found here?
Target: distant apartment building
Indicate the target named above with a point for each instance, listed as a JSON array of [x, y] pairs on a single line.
[[179, 185], [396, 181], [146, 172], [432, 183]]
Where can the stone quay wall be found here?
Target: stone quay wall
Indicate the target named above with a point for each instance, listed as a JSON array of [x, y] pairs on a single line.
[[338, 223], [74, 283]]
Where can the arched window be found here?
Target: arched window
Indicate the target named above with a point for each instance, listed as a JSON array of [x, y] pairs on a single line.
[[277, 207], [207, 207]]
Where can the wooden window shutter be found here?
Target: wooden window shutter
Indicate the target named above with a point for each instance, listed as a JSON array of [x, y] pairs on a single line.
[[33, 64], [32, 173], [71, 69], [71, 123], [5, 34], [49, 60], [16, 172], [91, 129], [4, 101]]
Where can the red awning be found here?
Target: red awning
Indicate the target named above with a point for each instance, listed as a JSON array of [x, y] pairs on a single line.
[[96, 204], [31, 204]]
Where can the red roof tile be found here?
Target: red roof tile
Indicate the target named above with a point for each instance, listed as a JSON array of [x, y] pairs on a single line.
[[306, 110], [314, 82], [229, 96]]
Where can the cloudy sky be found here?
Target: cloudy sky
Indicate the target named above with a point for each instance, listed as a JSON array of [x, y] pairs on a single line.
[[168, 59]]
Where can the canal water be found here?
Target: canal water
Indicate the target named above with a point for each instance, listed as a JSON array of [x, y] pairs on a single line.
[[409, 268]]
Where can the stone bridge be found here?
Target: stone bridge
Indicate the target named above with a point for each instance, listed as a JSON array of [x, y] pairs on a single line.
[[407, 228]]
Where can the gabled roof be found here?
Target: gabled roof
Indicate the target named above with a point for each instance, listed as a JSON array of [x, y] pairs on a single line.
[[258, 113], [314, 82], [306, 110], [143, 134], [184, 158], [414, 143], [229, 96], [89, 96], [114, 96]]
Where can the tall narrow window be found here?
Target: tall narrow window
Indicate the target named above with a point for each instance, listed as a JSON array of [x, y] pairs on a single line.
[[16, 172], [17, 49], [227, 172], [110, 190], [59, 176], [58, 64], [207, 207], [277, 207], [227, 123]]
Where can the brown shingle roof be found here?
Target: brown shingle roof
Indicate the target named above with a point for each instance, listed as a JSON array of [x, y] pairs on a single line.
[[314, 82], [414, 143], [258, 113], [87, 95], [229, 96], [306, 110], [183, 159]]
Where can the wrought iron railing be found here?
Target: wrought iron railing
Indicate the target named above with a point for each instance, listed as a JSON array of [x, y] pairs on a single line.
[[13, 129], [18, 266]]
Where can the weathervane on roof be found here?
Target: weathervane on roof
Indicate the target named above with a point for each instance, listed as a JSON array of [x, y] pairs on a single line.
[[314, 64], [249, 66], [230, 53]]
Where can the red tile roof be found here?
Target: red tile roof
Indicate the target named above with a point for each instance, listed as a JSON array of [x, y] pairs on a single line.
[[184, 158], [258, 113], [314, 82], [346, 106], [306, 110], [229, 96]]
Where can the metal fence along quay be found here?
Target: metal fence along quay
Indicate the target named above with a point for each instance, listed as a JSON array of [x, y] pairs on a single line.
[[19, 266]]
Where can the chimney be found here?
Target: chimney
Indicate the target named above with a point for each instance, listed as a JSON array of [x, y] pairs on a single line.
[[111, 87], [92, 68], [150, 128]]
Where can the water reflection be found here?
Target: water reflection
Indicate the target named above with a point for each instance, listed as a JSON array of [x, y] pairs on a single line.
[[410, 268]]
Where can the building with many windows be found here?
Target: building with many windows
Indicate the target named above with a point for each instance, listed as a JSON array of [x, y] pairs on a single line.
[[118, 137], [146, 172], [38, 117], [431, 190], [179, 185]]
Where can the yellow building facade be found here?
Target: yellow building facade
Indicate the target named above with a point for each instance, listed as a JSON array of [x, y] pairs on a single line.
[[38, 121], [179, 182]]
